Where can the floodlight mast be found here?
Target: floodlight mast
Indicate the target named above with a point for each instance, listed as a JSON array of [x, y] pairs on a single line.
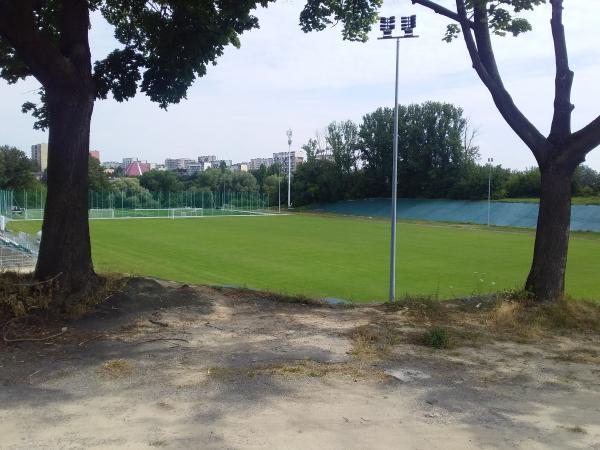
[[490, 162], [289, 135], [387, 25]]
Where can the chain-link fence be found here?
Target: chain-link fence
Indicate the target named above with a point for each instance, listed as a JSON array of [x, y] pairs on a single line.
[[22, 205], [18, 250]]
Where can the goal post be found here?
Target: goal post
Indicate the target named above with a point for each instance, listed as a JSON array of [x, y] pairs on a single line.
[[186, 212], [33, 214], [101, 213]]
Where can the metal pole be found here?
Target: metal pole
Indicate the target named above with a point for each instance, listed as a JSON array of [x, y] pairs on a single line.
[[394, 185], [279, 189], [289, 173], [490, 161]]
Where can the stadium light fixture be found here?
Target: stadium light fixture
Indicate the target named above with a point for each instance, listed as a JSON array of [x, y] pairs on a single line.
[[387, 25], [289, 136], [408, 24]]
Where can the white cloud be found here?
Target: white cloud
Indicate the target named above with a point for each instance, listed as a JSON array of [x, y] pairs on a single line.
[[283, 78]]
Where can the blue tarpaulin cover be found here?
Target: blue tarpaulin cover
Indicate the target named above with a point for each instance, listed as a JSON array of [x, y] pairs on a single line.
[[583, 217]]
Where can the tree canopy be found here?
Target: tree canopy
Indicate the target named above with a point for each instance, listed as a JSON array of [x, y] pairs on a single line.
[[165, 45], [16, 170], [98, 180]]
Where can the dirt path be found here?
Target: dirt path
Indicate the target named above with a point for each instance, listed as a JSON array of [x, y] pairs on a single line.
[[194, 367]]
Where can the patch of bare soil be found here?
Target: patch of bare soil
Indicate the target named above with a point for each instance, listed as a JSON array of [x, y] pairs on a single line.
[[171, 366]]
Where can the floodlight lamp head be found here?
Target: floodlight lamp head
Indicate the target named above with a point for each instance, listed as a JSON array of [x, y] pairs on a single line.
[[408, 24], [387, 25]]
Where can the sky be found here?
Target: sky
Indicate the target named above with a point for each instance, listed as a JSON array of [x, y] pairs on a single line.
[[282, 78]]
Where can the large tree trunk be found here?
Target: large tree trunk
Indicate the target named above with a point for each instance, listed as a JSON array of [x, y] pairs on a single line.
[[546, 280], [65, 252]]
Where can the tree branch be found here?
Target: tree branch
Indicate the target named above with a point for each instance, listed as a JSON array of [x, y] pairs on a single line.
[[561, 121], [586, 139], [439, 9], [528, 133], [18, 29], [481, 31]]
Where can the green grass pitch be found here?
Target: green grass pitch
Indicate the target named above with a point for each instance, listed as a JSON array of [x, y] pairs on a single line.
[[322, 256]]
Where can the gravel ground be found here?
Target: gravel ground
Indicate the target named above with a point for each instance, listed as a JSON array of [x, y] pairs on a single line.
[[164, 365]]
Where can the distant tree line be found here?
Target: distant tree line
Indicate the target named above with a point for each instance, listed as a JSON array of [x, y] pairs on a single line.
[[438, 158], [211, 180]]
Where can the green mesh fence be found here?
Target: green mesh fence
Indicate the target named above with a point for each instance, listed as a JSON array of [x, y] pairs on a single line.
[[21, 205]]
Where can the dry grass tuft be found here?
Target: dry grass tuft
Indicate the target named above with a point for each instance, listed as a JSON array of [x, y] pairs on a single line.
[[375, 340], [117, 368], [572, 315], [580, 356], [21, 295], [298, 369], [510, 319], [418, 306], [530, 321], [473, 322]]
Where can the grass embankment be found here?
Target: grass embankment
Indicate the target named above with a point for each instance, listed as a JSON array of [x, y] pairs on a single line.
[[319, 256], [459, 323]]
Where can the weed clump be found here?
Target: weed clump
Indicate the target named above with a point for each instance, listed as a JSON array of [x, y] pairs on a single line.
[[436, 337]]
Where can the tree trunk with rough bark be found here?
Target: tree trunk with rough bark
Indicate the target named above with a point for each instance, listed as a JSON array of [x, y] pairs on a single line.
[[557, 154], [62, 64], [546, 280], [65, 252]]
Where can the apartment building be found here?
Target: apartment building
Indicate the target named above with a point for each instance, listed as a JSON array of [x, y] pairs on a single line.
[[195, 168], [255, 163], [39, 155], [207, 159], [178, 163], [239, 167], [217, 163], [281, 158]]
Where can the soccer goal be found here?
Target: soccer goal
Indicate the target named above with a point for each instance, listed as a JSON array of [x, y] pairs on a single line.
[[186, 212], [33, 214], [104, 213]]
